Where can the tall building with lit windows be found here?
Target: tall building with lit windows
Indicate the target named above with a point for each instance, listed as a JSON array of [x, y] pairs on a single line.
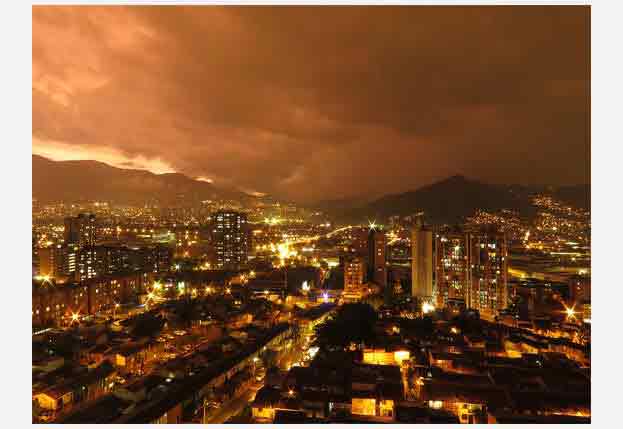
[[90, 263], [81, 230], [377, 246], [231, 239], [452, 266], [422, 262], [354, 271], [58, 262], [489, 271], [358, 237]]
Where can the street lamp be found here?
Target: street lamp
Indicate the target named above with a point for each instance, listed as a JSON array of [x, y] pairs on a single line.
[[570, 311]]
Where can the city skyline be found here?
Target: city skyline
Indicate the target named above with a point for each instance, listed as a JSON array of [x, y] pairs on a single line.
[[277, 99], [320, 215]]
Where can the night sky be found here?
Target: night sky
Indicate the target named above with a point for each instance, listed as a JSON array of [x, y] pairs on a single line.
[[314, 103]]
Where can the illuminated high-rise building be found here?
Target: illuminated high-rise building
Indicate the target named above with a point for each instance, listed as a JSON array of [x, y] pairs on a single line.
[[452, 269], [358, 236], [81, 230], [489, 271], [58, 261], [377, 246], [354, 270], [422, 262], [90, 263], [231, 239], [353, 274]]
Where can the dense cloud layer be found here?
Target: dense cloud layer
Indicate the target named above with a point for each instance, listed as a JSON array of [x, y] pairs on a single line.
[[318, 103]]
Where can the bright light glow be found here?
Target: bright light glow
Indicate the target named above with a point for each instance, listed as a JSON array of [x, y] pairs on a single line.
[[312, 351], [435, 404], [401, 355], [427, 307], [43, 279], [570, 312], [305, 286], [272, 220], [75, 317]]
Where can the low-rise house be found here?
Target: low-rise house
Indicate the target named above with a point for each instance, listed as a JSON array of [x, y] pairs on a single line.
[[85, 385]]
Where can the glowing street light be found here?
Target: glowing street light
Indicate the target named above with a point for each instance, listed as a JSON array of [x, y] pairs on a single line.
[[570, 311]]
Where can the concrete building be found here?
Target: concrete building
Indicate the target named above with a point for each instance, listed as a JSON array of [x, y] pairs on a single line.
[[452, 270], [354, 270], [57, 262], [81, 230], [422, 262], [377, 248], [489, 271], [231, 238]]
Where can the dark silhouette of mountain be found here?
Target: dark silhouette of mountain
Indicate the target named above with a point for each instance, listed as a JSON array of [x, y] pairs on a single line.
[[342, 204], [576, 195], [453, 199], [74, 181]]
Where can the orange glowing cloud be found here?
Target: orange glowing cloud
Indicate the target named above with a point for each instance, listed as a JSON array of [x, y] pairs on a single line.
[[59, 151]]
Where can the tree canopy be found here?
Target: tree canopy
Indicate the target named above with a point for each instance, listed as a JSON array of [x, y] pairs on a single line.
[[353, 323]]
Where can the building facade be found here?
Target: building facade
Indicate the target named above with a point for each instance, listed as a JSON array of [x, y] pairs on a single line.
[[354, 270], [377, 249], [489, 271], [422, 262], [231, 239], [452, 269], [81, 230]]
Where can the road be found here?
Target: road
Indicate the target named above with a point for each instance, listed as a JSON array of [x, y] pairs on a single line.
[[235, 405]]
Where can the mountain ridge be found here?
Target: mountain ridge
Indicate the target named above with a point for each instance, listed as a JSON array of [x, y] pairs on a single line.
[[452, 199], [82, 180]]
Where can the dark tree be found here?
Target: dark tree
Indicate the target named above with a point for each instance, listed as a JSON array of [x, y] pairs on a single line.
[[147, 325], [353, 323]]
